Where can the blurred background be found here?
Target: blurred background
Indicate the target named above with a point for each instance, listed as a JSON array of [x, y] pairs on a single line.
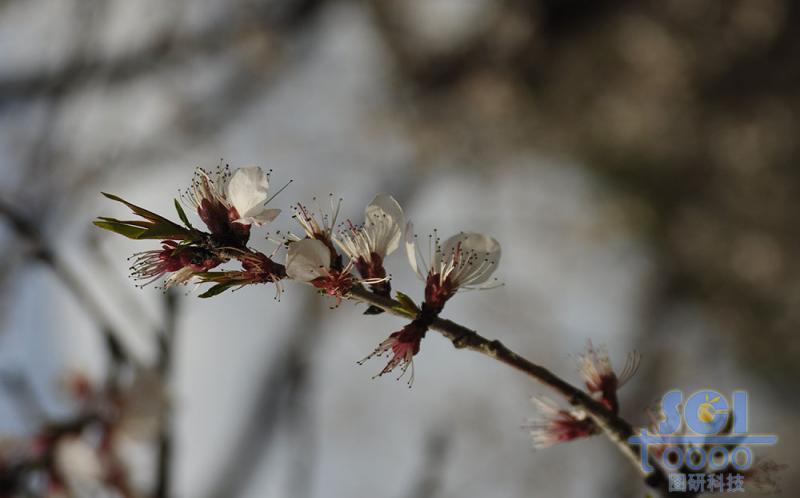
[[636, 160]]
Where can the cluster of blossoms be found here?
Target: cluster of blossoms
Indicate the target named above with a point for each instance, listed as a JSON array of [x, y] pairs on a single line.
[[229, 204], [559, 425], [342, 261], [332, 258], [87, 454], [464, 261]]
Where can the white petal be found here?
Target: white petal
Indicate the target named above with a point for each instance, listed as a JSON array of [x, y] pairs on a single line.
[[179, 277], [545, 405], [473, 242], [260, 218], [77, 460], [307, 260], [411, 250], [386, 204], [247, 190], [385, 210]]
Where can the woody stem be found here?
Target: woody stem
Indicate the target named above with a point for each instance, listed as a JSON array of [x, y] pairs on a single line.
[[617, 429]]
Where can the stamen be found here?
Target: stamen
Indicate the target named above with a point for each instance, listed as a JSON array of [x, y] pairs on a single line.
[[279, 190]]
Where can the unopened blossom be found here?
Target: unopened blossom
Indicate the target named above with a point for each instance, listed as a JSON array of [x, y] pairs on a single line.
[[401, 346], [229, 203], [464, 261], [556, 425], [182, 262], [600, 378], [309, 260]]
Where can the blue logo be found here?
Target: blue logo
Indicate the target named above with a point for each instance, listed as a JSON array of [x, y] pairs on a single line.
[[706, 432]]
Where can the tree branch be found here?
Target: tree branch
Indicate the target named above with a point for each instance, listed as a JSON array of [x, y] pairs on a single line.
[[281, 384], [27, 231], [164, 368], [617, 429]]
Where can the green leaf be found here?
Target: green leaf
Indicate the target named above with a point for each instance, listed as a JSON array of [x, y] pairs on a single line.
[[407, 302], [144, 213], [216, 289], [137, 223], [182, 215], [144, 230], [211, 274], [403, 311], [132, 232], [167, 230]]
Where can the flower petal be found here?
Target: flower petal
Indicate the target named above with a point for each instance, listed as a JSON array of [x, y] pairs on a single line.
[[384, 217], [479, 244], [260, 218], [247, 190], [307, 259], [386, 204], [411, 250], [78, 461]]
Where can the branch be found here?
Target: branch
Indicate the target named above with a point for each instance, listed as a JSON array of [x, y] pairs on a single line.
[[617, 429], [281, 384], [431, 473], [162, 50], [164, 368], [27, 231], [13, 474]]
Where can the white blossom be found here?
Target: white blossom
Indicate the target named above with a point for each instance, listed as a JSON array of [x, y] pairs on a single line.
[[317, 223], [78, 462], [308, 260], [379, 235], [466, 259], [245, 191]]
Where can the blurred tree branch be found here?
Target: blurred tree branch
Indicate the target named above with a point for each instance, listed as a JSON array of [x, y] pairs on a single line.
[[431, 471], [169, 48], [29, 232], [279, 392], [164, 369]]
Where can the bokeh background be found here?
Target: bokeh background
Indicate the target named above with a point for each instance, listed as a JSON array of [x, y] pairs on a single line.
[[637, 161]]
